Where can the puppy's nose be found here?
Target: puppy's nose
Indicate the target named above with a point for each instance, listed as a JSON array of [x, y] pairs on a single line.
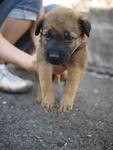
[[54, 56]]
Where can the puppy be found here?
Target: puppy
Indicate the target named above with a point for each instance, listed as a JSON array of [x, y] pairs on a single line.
[[61, 43]]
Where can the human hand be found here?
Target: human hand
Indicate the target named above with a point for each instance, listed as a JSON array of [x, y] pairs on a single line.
[[59, 73], [85, 39]]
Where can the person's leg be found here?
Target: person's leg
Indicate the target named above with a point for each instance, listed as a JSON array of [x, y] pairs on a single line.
[[13, 29], [20, 17], [9, 82], [16, 24]]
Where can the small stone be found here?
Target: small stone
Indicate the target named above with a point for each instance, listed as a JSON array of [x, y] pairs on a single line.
[[65, 144], [89, 135], [4, 102], [96, 104], [60, 133], [95, 91]]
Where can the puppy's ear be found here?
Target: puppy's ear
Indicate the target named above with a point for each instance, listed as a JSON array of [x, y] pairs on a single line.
[[39, 26], [85, 26]]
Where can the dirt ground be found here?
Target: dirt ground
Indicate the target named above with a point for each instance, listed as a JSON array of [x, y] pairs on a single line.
[[24, 125]]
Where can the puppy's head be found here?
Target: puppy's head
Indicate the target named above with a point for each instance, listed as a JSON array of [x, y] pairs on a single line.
[[62, 32]]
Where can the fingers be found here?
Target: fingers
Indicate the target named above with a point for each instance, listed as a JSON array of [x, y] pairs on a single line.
[[58, 69], [60, 77], [57, 79], [85, 39]]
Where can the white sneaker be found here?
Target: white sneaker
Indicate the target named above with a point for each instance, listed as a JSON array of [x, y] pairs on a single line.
[[11, 83]]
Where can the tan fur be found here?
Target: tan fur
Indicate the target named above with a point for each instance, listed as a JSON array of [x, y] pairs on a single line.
[[75, 67]]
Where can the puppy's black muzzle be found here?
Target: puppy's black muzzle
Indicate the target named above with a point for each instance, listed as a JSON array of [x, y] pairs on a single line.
[[56, 56]]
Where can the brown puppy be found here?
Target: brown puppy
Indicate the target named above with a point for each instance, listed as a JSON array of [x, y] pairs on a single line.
[[61, 43]]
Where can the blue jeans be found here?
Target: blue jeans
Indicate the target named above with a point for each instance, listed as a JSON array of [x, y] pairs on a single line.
[[7, 7], [25, 10]]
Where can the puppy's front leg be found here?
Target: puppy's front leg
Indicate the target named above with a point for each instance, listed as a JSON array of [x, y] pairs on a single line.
[[74, 75], [46, 88]]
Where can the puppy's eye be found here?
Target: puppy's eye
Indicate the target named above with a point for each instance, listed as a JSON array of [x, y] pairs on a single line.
[[48, 34], [67, 37]]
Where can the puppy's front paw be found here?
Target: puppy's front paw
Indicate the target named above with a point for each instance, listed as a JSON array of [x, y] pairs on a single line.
[[47, 103], [66, 105]]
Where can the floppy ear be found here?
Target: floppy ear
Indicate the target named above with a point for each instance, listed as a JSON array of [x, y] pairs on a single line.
[[85, 26], [39, 26]]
